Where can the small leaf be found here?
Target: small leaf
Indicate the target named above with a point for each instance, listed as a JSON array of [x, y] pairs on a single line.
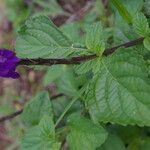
[[84, 135], [146, 43], [35, 109], [141, 25], [41, 136], [95, 39]]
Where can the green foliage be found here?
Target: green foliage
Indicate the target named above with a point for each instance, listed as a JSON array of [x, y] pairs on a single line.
[[53, 73], [84, 135], [95, 39], [122, 10], [141, 25], [133, 6], [147, 43], [106, 98], [35, 109], [41, 136], [67, 83], [39, 37], [120, 92], [86, 67], [77, 32]]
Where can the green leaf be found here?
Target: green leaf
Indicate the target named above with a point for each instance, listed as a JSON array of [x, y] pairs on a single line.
[[91, 65], [120, 93], [41, 136], [53, 73], [113, 142], [84, 67], [67, 83], [95, 38], [122, 10], [84, 135], [75, 31], [141, 25], [123, 29], [39, 37], [146, 43], [35, 109]]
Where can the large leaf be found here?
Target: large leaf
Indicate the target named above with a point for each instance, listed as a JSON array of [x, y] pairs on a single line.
[[84, 135], [120, 92], [41, 136], [39, 37], [35, 109]]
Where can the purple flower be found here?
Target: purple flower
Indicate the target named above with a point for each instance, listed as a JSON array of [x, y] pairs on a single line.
[[8, 64]]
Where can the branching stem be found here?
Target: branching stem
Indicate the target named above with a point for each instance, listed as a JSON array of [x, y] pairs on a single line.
[[73, 60], [79, 59]]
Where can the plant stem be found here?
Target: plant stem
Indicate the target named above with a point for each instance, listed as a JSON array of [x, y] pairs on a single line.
[[79, 59], [8, 117], [66, 110], [70, 104]]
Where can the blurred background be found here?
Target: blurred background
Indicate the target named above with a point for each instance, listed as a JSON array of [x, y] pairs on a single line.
[[71, 16]]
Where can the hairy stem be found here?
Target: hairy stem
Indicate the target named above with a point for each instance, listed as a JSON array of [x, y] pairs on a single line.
[[78, 60]]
